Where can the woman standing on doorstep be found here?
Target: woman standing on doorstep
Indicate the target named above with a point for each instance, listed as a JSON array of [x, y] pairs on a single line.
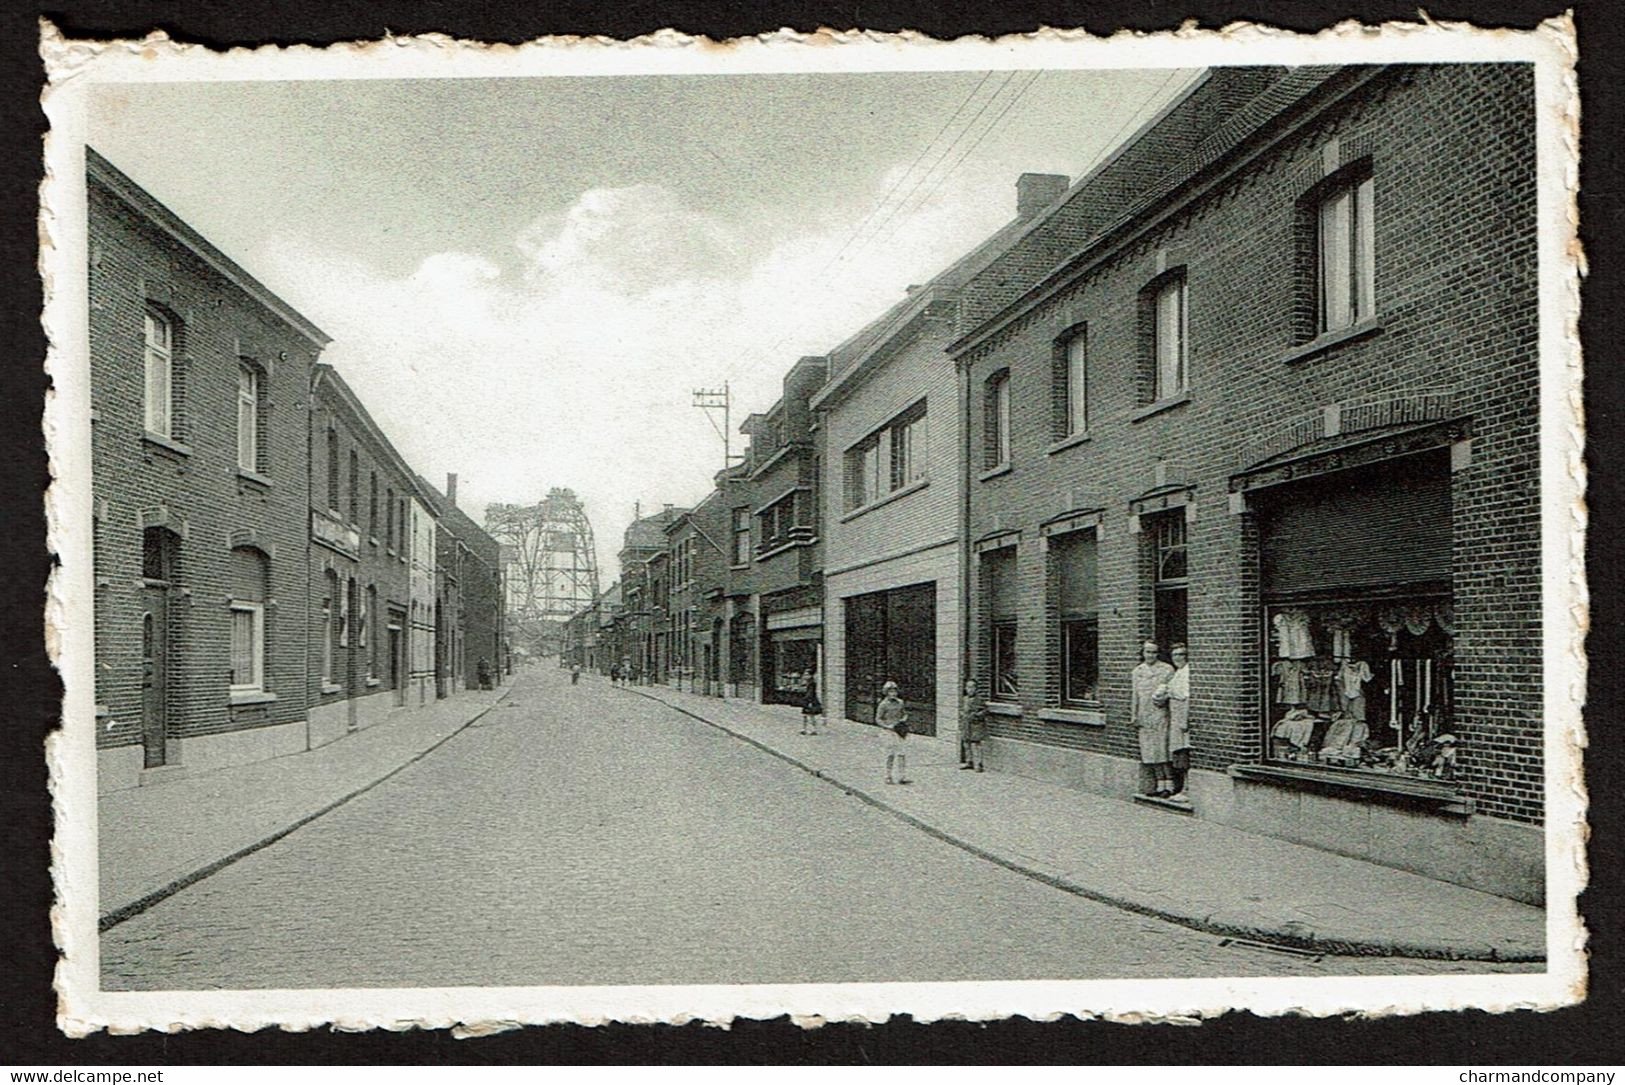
[[891, 715], [1148, 712]]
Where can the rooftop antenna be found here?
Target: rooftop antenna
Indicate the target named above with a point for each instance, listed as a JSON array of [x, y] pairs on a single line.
[[711, 400]]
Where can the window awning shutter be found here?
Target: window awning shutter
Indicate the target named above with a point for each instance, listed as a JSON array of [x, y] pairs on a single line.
[[1075, 560], [1381, 526]]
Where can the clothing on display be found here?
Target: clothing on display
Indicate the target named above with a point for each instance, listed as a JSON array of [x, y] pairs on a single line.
[[1292, 635], [1289, 688], [1377, 697]]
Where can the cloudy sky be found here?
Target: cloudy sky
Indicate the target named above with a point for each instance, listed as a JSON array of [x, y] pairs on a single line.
[[526, 279]]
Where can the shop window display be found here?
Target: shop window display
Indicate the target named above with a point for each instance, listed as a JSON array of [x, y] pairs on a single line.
[[1363, 686]]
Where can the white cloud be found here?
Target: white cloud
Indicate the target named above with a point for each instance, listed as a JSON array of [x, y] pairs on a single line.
[[578, 371]]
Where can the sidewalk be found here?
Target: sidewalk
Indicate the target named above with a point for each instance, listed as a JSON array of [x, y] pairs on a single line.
[[1196, 873], [155, 840]]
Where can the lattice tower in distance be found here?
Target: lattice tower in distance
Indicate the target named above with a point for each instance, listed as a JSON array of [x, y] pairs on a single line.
[[551, 564]]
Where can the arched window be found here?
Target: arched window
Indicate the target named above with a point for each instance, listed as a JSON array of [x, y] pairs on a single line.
[[250, 579]]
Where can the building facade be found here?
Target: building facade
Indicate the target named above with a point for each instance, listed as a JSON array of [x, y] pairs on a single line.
[[359, 582], [1278, 402], [776, 495], [890, 431], [200, 384]]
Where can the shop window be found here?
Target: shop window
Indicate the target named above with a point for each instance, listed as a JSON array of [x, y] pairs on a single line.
[[1355, 575], [1345, 231], [1070, 384], [250, 573], [999, 586], [1075, 580], [996, 420], [1170, 576], [250, 404], [159, 373]]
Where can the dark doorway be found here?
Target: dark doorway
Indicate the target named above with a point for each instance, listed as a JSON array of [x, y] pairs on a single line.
[[158, 547], [892, 635]]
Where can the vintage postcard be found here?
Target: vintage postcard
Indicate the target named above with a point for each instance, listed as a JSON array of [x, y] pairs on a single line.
[[839, 525]]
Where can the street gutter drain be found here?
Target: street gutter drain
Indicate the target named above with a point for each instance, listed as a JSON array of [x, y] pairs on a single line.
[[1291, 950]]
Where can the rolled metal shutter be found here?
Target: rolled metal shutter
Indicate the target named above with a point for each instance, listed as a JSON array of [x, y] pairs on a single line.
[[1381, 526]]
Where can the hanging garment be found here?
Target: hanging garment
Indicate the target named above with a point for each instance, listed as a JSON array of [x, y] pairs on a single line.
[[1319, 682], [1293, 640], [1289, 684], [1351, 679], [1342, 644], [1445, 615]]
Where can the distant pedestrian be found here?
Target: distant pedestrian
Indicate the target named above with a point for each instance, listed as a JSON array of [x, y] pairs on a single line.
[[891, 715], [811, 707], [482, 670], [972, 725], [614, 674], [575, 673]]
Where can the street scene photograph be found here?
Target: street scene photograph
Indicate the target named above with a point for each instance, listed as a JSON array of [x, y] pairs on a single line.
[[874, 526]]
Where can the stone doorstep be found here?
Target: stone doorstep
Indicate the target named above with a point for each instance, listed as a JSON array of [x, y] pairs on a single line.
[[1178, 806]]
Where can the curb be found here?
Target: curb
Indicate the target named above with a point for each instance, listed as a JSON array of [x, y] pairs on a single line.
[[164, 892], [1348, 947]]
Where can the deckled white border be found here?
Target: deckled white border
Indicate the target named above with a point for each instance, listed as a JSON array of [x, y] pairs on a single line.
[[73, 67]]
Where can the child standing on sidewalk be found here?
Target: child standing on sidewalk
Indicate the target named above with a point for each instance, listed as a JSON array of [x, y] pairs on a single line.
[[811, 707], [972, 725], [894, 717]]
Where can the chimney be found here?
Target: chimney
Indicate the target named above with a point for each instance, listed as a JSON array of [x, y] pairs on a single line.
[[1036, 191], [451, 487]]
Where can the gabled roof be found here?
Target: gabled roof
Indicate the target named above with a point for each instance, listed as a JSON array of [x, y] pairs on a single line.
[[140, 201]]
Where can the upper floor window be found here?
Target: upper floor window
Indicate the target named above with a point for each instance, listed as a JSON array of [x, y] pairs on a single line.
[[889, 459], [333, 469], [372, 508], [250, 393], [389, 518], [1346, 230], [1071, 384], [355, 487], [741, 530], [996, 420], [159, 374], [1169, 334]]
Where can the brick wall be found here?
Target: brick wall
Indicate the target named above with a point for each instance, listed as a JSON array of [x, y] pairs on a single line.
[[134, 264], [1452, 155]]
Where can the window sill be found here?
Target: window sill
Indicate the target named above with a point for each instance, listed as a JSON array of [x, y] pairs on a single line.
[[253, 476], [896, 495], [372, 540], [167, 443], [994, 472], [374, 682], [1003, 708], [1152, 409], [251, 696], [1320, 344], [1088, 717], [1068, 442], [331, 687], [1437, 794]]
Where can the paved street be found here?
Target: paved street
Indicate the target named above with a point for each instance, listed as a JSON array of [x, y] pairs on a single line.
[[587, 835]]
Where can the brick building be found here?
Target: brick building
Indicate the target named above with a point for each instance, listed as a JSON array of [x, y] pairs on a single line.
[[1265, 383], [469, 612], [698, 558], [889, 427], [200, 380], [641, 628], [775, 498], [358, 576]]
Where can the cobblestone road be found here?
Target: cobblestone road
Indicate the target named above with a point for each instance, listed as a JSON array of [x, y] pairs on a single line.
[[585, 835]]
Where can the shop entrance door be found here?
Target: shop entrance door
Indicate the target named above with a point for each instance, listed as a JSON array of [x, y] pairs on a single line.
[[397, 687], [154, 675], [892, 636]]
